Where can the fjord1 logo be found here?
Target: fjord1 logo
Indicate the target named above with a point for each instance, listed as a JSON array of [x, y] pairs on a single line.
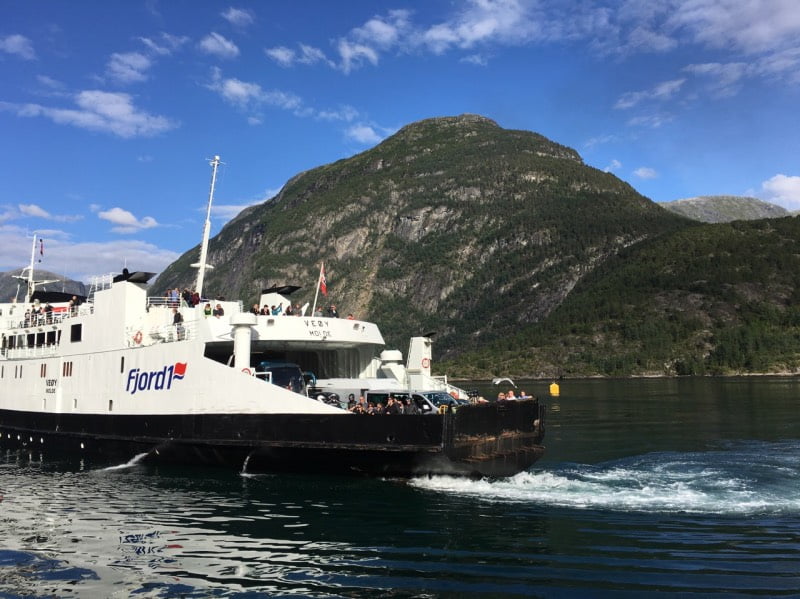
[[154, 380]]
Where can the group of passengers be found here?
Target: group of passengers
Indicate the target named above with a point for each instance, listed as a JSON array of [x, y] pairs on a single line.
[[277, 310], [217, 311], [394, 405], [510, 396], [296, 310], [187, 297], [39, 314]]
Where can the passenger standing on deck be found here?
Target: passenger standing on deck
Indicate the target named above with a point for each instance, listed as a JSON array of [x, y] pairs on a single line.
[[207, 310], [255, 309], [177, 320], [218, 311], [391, 406]]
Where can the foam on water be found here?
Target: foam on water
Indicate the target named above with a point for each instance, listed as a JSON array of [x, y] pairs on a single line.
[[129, 464], [745, 478]]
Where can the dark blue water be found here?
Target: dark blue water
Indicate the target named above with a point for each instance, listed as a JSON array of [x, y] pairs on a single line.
[[649, 487]]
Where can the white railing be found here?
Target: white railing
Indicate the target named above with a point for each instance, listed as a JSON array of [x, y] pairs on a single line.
[[100, 282], [42, 351], [165, 333], [42, 320]]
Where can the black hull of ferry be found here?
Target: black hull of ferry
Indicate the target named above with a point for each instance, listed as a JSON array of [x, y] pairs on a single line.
[[494, 440]]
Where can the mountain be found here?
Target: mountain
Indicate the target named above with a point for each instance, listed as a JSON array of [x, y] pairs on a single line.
[[453, 224], [716, 299], [723, 209], [9, 284]]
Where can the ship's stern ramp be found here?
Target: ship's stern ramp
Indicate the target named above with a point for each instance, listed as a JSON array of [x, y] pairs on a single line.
[[495, 439]]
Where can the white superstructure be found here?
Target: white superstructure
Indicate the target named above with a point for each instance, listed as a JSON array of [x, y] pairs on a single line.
[[119, 352]]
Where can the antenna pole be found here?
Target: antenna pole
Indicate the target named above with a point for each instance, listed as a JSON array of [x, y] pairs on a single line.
[[30, 271], [201, 271]]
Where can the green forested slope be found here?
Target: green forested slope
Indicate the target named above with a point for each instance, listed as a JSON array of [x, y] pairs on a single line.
[[710, 299]]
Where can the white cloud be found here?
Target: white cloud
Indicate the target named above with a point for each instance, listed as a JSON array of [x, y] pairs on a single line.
[[7, 213], [239, 17], [614, 165], [363, 134], [725, 78], [645, 172], [768, 29], [312, 55], [37, 211], [344, 113], [643, 39], [81, 261], [383, 32], [251, 96], [652, 121], [217, 45], [355, 55], [661, 91], [476, 59], [125, 221], [751, 26], [49, 82], [783, 190], [308, 55], [129, 67], [165, 45], [18, 45], [33, 210], [284, 56], [99, 111], [602, 139]]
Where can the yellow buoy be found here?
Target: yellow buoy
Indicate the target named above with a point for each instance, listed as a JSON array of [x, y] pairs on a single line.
[[554, 389]]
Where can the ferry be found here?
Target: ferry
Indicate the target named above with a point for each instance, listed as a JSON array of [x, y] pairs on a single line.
[[122, 374]]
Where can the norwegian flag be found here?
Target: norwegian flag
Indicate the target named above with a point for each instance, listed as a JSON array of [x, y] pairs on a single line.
[[323, 282]]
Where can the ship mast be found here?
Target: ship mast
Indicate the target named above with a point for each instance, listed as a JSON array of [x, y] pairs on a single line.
[[201, 266], [29, 280]]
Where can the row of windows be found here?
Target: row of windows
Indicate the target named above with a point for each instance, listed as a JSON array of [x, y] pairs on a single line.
[[43, 338], [66, 370]]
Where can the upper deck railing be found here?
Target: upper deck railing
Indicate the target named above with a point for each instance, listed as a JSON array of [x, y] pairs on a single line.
[[27, 320]]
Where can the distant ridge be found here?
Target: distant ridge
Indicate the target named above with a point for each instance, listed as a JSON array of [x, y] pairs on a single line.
[[8, 284], [724, 209]]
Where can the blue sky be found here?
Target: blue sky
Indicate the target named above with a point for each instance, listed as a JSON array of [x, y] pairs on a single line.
[[110, 111]]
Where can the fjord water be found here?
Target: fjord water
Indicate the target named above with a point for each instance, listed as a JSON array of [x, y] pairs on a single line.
[[656, 487]]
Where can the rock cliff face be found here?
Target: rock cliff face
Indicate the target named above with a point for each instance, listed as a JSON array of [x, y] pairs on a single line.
[[452, 225]]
